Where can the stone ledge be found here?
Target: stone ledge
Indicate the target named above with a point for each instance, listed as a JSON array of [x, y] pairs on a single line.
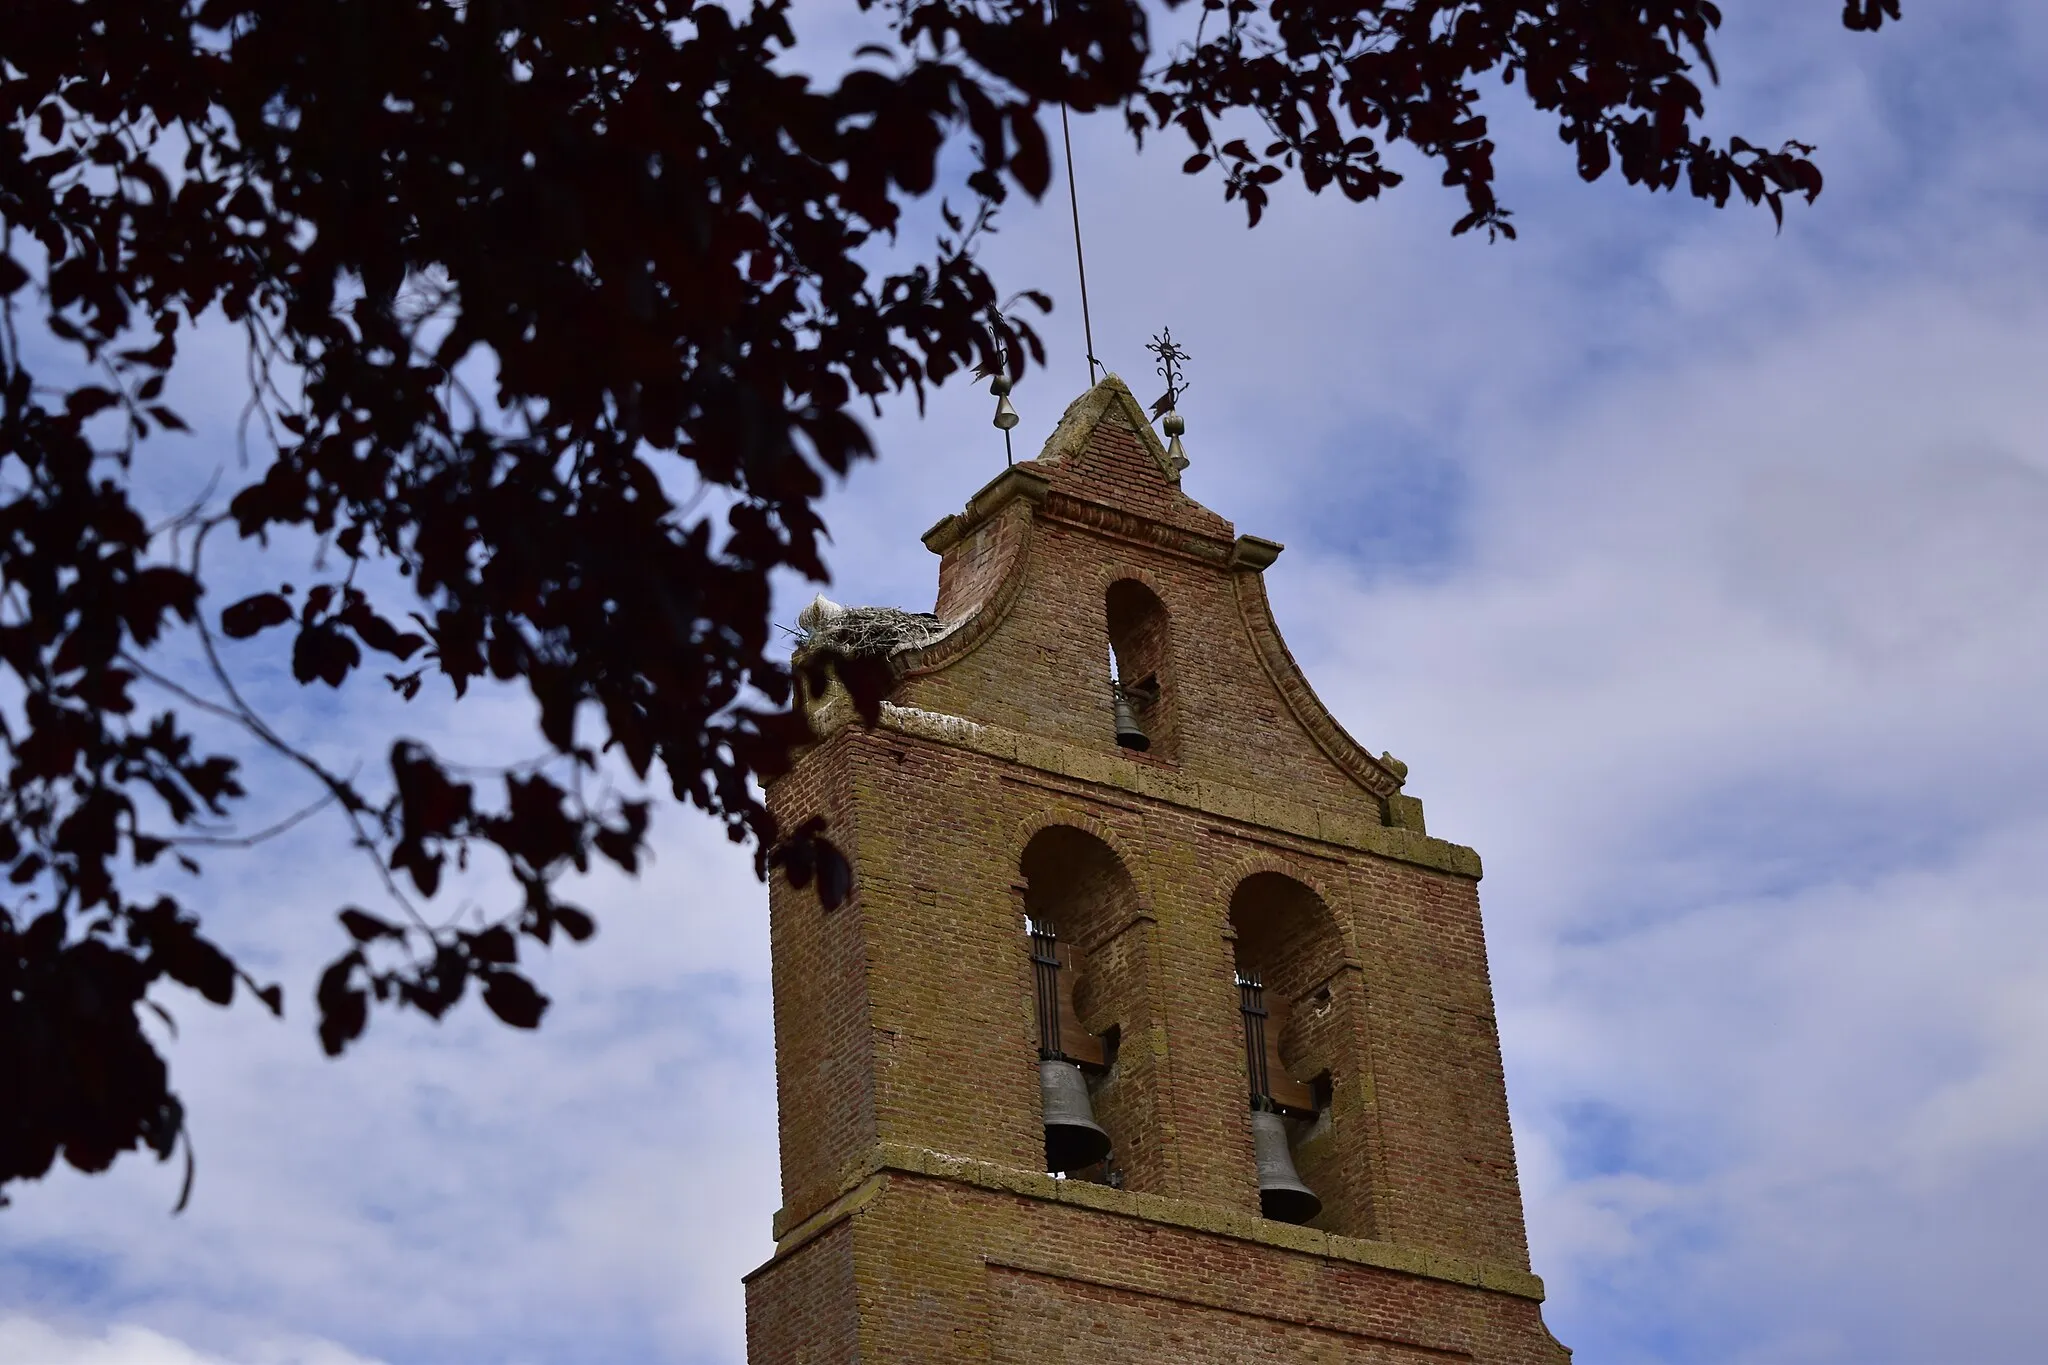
[[1210, 798], [848, 1203], [1255, 553], [869, 1176], [1017, 481]]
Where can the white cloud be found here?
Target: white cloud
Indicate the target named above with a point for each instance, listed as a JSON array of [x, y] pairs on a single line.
[[25, 1341], [460, 1191], [1738, 689]]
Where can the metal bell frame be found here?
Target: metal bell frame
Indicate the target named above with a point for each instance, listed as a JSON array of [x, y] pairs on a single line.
[[1073, 1139], [1282, 1195]]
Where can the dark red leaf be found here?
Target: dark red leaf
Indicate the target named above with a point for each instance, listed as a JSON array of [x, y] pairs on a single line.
[[378, 633], [513, 999], [323, 652], [191, 961], [84, 402], [344, 1007], [365, 927], [252, 614], [495, 945], [1031, 162], [343, 1019]]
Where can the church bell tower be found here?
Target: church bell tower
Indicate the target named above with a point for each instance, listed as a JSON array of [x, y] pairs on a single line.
[[1156, 1029]]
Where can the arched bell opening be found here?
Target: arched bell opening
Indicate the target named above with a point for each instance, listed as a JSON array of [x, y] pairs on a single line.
[[1303, 1011], [1089, 953], [1142, 698]]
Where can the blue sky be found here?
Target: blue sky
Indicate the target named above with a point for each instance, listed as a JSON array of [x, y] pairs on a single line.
[[1699, 572]]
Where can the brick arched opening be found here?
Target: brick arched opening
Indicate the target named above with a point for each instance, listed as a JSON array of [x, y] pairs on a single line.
[[1075, 881], [1286, 935], [1141, 656]]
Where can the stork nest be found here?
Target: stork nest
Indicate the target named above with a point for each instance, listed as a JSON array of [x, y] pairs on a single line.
[[871, 632]]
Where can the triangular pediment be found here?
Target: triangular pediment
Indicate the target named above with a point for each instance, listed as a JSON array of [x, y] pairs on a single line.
[[1105, 451], [1024, 571], [1110, 402]]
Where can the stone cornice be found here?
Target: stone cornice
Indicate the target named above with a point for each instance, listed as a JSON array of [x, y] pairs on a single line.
[[1254, 552], [1018, 481], [868, 1177], [1032, 487], [1253, 810], [1120, 524]]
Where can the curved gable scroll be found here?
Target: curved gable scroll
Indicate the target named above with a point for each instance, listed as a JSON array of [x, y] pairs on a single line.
[[1377, 776], [982, 578], [987, 553]]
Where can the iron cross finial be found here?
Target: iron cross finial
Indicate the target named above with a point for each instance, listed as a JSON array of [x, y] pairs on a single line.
[[1171, 357]]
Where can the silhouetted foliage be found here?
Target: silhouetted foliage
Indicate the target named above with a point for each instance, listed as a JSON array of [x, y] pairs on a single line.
[[653, 245]]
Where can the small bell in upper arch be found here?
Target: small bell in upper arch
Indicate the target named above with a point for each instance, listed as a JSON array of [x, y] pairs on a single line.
[[1006, 411], [1129, 734]]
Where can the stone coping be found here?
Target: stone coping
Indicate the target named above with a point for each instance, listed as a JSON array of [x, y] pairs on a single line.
[[1210, 798], [869, 1177]]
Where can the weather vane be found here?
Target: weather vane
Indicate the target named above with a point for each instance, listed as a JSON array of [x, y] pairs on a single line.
[[1171, 357]]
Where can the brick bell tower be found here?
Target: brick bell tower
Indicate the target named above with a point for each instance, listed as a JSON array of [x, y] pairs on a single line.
[[1232, 956]]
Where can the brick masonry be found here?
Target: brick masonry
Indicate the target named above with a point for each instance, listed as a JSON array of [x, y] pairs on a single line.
[[917, 1221]]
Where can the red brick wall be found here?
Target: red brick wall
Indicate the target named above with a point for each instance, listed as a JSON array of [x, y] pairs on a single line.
[[905, 1022], [824, 1037], [805, 1309], [1045, 671], [958, 1273], [933, 944]]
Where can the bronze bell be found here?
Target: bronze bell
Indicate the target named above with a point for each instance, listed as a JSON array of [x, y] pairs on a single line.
[[1073, 1138], [1006, 411], [1128, 733], [1282, 1196]]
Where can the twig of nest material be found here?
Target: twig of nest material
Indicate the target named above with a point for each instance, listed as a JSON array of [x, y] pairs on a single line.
[[863, 632]]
